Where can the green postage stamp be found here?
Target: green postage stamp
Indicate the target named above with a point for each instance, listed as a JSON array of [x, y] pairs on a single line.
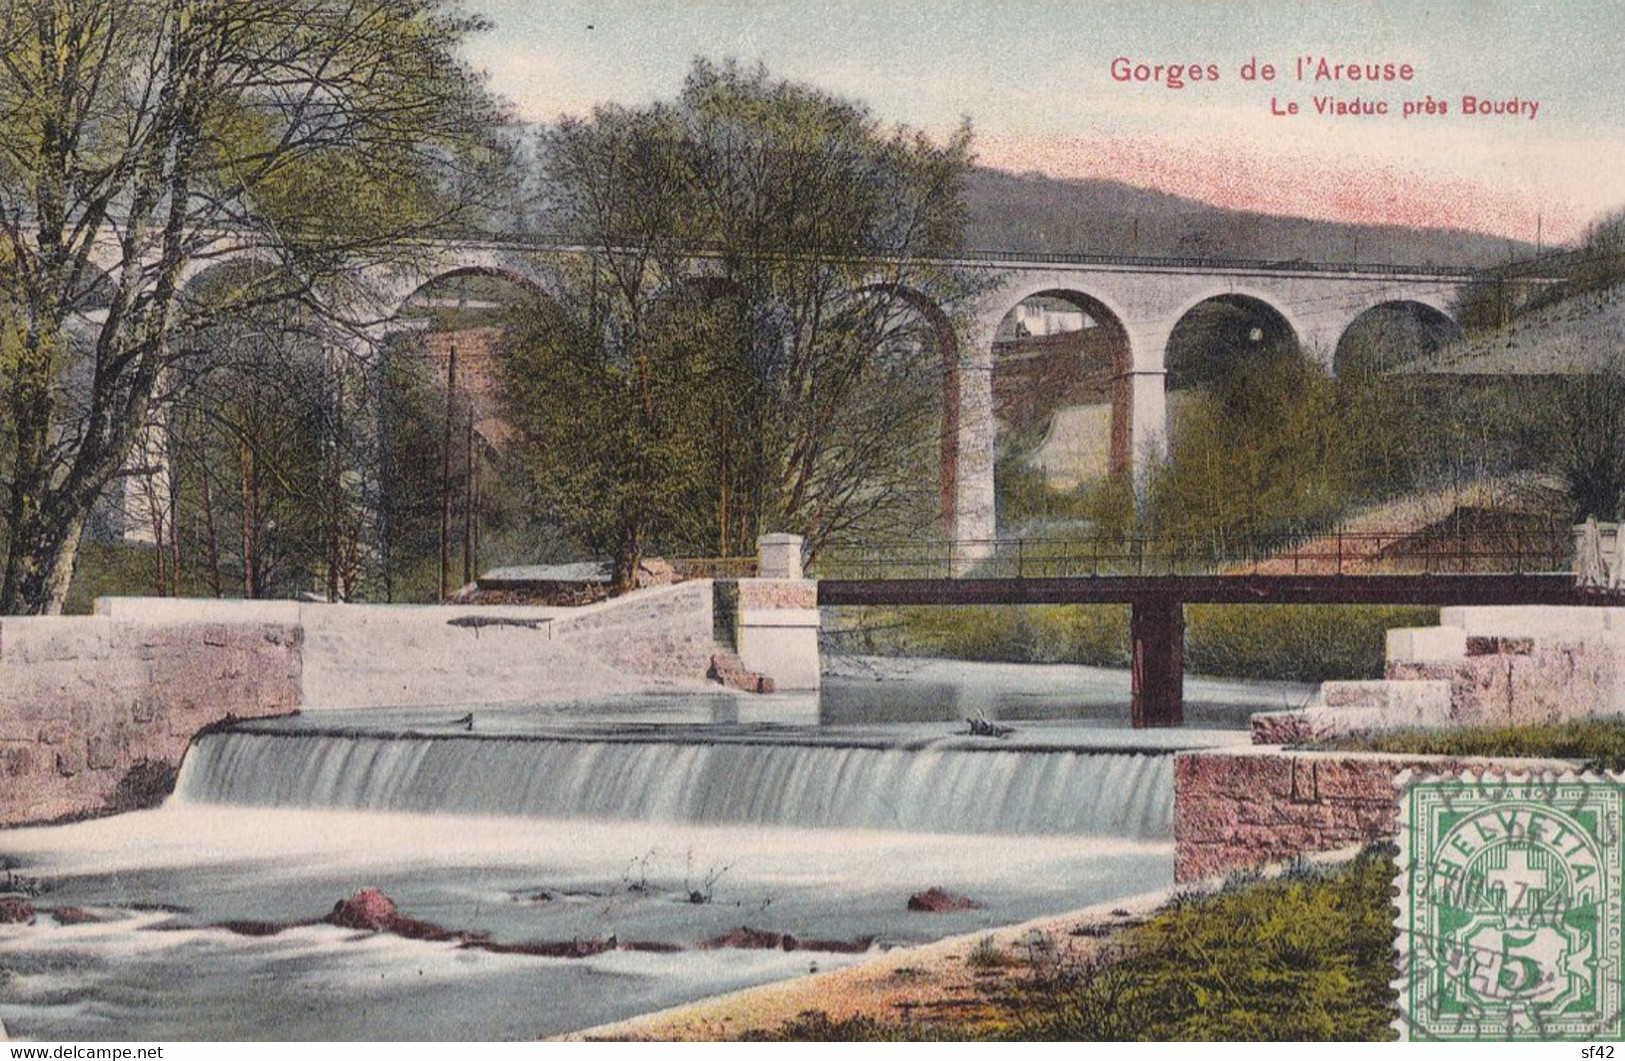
[[1509, 907]]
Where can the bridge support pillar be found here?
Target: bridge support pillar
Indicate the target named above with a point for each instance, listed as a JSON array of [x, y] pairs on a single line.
[[1157, 627]]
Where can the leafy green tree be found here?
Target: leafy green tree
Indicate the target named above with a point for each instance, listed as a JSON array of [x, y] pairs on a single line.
[[1278, 446], [411, 414], [759, 338], [151, 137], [1573, 430]]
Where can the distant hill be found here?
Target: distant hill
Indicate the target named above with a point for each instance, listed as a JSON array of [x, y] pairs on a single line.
[[1038, 214]]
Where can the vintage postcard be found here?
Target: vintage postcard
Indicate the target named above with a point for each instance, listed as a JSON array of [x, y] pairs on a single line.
[[749, 520]]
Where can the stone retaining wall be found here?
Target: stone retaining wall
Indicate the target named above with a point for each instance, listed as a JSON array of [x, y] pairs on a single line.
[[85, 701], [666, 632], [1512, 682], [1242, 808]]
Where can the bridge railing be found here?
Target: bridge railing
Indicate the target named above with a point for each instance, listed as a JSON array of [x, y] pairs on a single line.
[[556, 242], [1511, 551]]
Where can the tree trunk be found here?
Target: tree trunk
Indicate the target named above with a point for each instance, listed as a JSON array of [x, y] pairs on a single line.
[[628, 558], [250, 516], [213, 538], [40, 567], [174, 528], [160, 544]]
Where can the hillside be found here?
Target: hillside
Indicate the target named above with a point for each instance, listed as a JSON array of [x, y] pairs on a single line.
[[1038, 214], [1576, 336]]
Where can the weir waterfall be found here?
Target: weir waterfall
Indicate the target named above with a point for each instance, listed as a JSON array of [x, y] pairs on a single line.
[[585, 862]]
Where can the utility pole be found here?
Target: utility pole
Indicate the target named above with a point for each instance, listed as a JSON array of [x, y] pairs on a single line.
[[468, 497], [445, 471]]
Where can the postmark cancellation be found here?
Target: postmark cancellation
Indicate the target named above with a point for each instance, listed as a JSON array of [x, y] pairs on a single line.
[[1509, 906]]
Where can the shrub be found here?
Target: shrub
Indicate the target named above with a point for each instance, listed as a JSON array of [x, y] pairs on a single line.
[[1305, 957], [1305, 643]]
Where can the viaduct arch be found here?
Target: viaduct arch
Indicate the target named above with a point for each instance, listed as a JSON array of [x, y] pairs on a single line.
[[1315, 306], [1141, 303]]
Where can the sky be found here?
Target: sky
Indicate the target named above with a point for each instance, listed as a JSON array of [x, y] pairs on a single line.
[[1036, 79]]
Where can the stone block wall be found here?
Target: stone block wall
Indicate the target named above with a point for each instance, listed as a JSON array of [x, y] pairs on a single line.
[[1516, 681], [394, 655], [666, 632], [84, 701], [1242, 808], [1351, 706], [1497, 667]]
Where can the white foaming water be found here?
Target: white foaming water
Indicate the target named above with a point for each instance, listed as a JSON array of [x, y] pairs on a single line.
[[796, 785], [142, 973], [555, 836]]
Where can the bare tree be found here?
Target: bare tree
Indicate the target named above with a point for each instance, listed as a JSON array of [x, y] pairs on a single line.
[[147, 138]]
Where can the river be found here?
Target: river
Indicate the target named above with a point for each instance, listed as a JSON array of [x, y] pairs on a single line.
[[664, 822]]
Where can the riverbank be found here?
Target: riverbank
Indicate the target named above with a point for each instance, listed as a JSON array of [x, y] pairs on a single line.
[[1300, 953], [1297, 643], [948, 982]]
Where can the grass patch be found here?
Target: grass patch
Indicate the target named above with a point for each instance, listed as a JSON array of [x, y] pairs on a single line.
[[1304, 643], [1092, 634], [987, 955], [1598, 742], [816, 1026], [1307, 956], [1294, 642]]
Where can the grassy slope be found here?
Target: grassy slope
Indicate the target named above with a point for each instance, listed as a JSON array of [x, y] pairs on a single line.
[[1282, 642], [1308, 956]]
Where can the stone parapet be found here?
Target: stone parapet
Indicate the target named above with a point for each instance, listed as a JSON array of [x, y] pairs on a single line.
[[396, 655], [765, 594], [776, 630]]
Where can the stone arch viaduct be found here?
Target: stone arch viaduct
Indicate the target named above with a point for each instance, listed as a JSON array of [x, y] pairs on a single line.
[[1142, 299]]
